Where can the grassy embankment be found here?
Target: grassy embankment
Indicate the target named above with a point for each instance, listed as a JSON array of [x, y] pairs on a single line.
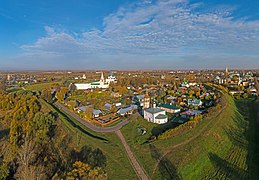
[[221, 146], [118, 166]]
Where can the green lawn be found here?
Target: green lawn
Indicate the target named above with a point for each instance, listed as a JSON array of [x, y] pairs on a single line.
[[218, 147], [118, 166], [39, 87], [14, 89]]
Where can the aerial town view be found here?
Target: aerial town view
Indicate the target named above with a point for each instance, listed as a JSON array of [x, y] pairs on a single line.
[[129, 89]]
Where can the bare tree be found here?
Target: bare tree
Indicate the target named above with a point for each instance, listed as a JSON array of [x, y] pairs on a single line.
[[28, 170]]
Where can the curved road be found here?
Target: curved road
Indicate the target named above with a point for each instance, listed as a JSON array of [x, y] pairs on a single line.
[[89, 125], [134, 162]]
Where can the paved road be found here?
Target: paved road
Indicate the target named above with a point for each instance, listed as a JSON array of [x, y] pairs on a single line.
[[137, 167], [89, 125]]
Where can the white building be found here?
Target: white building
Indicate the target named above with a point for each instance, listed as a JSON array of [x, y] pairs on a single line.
[[111, 78], [155, 115], [97, 84]]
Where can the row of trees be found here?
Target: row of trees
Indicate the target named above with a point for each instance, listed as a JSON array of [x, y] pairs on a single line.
[[50, 93], [30, 130]]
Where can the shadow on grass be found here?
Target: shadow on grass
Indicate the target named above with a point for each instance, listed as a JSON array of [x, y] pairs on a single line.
[[159, 129], [94, 157], [166, 168], [238, 134], [244, 134], [226, 169], [249, 109], [4, 133], [77, 126]]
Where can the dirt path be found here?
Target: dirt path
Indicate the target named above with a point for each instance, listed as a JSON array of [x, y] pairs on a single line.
[[187, 141], [137, 167]]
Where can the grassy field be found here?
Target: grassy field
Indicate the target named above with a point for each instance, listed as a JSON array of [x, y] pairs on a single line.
[[39, 87], [15, 89], [118, 166], [219, 148]]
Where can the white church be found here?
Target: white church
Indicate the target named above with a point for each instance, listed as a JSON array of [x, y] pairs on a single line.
[[102, 83]]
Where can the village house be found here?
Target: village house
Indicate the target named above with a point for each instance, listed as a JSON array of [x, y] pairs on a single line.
[[233, 92], [81, 109], [115, 94], [155, 115], [194, 102], [170, 108], [96, 113], [108, 106], [118, 104], [171, 99], [127, 110], [190, 113]]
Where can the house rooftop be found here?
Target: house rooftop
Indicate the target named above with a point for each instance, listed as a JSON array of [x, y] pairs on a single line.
[[140, 96], [82, 108], [161, 116], [191, 112], [95, 83], [125, 110], [169, 106], [97, 112], [154, 110]]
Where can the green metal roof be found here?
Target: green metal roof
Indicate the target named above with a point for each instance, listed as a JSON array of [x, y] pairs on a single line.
[[168, 106], [95, 83]]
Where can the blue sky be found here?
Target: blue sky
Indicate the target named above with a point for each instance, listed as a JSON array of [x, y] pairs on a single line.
[[117, 34]]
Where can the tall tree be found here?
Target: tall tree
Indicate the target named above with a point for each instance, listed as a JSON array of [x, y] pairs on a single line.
[[26, 156], [2, 85], [62, 94], [46, 94]]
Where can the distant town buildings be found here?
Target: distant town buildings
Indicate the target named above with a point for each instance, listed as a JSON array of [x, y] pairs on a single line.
[[102, 83]]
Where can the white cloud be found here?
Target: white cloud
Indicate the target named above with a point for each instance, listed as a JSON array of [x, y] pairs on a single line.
[[157, 28]]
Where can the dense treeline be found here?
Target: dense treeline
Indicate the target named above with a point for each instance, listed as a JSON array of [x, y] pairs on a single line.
[[32, 148]]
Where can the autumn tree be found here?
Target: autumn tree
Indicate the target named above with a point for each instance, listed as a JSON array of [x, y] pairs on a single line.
[[57, 87], [62, 94], [88, 113], [113, 109], [82, 170], [245, 95], [4, 171], [2, 85], [191, 93], [120, 89], [46, 94], [198, 93], [26, 156]]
